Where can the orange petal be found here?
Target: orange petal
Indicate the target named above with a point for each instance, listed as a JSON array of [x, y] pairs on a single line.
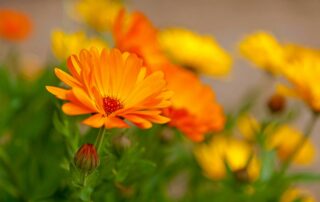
[[95, 121], [66, 78], [72, 109], [114, 122], [58, 92], [138, 121]]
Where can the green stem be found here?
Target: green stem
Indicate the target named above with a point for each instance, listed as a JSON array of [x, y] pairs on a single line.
[[99, 141], [84, 179], [300, 145]]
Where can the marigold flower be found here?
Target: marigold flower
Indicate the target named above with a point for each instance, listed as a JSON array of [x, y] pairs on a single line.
[[14, 25], [135, 33], [263, 50], [64, 44], [113, 87], [200, 53], [285, 140], [295, 194], [222, 149], [195, 120], [303, 74], [86, 159], [248, 126], [98, 14]]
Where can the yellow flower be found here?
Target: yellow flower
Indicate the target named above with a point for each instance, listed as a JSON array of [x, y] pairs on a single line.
[[200, 53], [248, 126], [99, 14], [296, 52], [64, 45], [285, 140], [235, 153], [303, 74], [113, 88], [294, 194], [263, 50]]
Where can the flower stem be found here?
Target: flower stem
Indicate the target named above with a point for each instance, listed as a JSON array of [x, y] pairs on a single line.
[[300, 145], [99, 141]]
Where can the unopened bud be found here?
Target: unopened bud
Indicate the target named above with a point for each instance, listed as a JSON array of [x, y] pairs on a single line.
[[276, 103], [86, 158]]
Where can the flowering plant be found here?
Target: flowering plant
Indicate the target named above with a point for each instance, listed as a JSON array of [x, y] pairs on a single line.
[[127, 115]]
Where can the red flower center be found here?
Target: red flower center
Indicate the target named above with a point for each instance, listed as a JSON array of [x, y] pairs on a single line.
[[111, 105]]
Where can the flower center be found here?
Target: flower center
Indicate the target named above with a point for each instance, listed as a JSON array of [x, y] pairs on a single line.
[[111, 105]]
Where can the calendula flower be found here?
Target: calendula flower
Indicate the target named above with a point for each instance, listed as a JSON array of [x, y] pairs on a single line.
[[112, 87], [264, 51], [194, 120], [98, 14], [303, 75], [200, 53], [285, 141], [64, 44], [236, 153], [135, 33], [14, 25], [295, 194]]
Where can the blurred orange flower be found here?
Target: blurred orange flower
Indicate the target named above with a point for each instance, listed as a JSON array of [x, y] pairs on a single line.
[[194, 109], [14, 25], [113, 87], [135, 33]]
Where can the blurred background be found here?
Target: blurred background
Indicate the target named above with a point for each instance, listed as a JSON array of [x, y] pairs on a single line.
[[228, 21]]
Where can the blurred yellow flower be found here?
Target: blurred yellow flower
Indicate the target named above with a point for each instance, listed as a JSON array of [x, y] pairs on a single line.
[[296, 52], [237, 154], [263, 50], [285, 140], [99, 14], [303, 74], [248, 126], [200, 53], [64, 45], [294, 194]]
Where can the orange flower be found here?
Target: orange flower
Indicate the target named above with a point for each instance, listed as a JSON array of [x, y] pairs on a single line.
[[135, 33], [14, 25], [113, 87], [194, 109]]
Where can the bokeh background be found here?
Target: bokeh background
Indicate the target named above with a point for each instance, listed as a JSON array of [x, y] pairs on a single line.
[[227, 20]]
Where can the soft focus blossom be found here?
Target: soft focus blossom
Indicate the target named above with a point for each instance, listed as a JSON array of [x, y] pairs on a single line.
[[139, 36], [98, 14], [14, 25], [202, 54], [285, 141], [135, 33], [112, 87], [303, 76], [193, 118], [64, 44], [294, 194], [222, 149], [264, 51]]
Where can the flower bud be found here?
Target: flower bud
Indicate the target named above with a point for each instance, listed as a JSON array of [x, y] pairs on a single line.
[[86, 158], [276, 103], [242, 175]]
